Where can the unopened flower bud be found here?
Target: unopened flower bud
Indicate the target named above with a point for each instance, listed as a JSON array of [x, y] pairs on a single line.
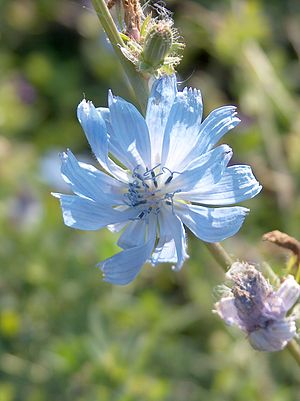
[[158, 44], [157, 49]]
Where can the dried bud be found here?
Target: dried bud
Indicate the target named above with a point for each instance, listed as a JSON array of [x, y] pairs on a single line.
[[253, 305]]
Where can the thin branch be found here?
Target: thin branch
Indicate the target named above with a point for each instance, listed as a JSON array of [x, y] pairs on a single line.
[[220, 255]]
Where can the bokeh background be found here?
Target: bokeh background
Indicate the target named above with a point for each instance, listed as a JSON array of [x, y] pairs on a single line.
[[65, 334]]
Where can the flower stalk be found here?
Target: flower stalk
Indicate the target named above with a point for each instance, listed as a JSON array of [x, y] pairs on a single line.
[[224, 260], [219, 254], [137, 82]]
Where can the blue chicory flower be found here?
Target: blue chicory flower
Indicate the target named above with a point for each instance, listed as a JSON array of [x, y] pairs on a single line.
[[256, 308], [169, 174]]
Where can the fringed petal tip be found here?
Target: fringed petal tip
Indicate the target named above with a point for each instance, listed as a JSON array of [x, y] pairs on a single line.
[[111, 97], [117, 276], [117, 280], [83, 108], [64, 155], [179, 264]]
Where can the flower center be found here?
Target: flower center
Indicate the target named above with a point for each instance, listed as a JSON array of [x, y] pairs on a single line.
[[148, 190]]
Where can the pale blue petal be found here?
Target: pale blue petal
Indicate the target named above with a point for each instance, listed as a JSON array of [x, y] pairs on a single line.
[[89, 182], [211, 224], [274, 337], [226, 309], [117, 151], [96, 133], [165, 252], [204, 172], [236, 185], [217, 124], [181, 133], [211, 131], [104, 112], [162, 96], [85, 214], [123, 267], [114, 145], [95, 130], [133, 235], [130, 137], [288, 292], [117, 227], [171, 226]]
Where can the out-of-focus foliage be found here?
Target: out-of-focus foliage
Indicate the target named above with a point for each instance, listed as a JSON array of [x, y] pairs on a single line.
[[64, 334]]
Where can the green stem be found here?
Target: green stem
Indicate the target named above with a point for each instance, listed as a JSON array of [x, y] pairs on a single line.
[[294, 349], [220, 255], [138, 83], [224, 260]]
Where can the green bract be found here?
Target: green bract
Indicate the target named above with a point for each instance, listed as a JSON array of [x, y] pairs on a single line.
[[158, 50]]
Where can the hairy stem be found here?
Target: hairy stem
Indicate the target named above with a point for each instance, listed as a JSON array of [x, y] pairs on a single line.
[[138, 83], [224, 260]]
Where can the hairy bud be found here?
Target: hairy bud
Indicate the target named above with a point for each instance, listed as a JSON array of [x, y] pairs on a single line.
[[158, 44], [157, 50]]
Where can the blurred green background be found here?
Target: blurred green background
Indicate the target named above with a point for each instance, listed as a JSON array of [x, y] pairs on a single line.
[[66, 335]]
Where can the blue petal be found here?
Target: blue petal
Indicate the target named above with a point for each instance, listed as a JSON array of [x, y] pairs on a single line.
[[95, 131], [117, 227], [85, 214], [162, 96], [133, 235], [165, 252], [237, 184], [123, 267], [216, 125], [114, 144], [182, 129], [203, 172], [89, 182], [212, 224], [105, 114], [172, 227], [130, 137]]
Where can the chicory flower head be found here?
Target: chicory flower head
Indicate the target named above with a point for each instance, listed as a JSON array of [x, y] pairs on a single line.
[[255, 307], [169, 174]]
